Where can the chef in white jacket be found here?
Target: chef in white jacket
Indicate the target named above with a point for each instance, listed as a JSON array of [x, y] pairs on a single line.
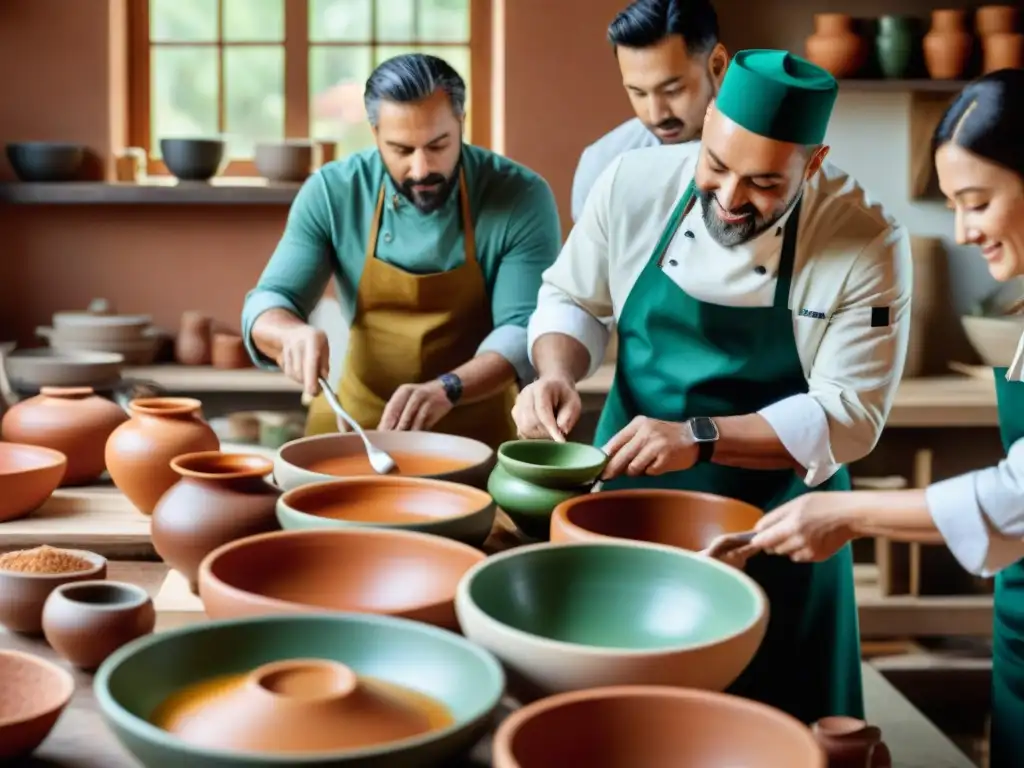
[[761, 300]]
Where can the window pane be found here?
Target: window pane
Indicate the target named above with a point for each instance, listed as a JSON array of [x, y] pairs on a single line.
[[183, 93], [254, 21], [253, 97], [396, 20], [458, 56], [384, 52], [337, 76], [444, 21], [183, 21], [340, 20]]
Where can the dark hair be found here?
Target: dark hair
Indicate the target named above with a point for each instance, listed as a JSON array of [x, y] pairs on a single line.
[[646, 22], [987, 118], [413, 77]]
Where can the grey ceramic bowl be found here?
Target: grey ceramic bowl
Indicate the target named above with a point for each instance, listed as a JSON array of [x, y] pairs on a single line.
[[192, 159], [284, 161], [45, 160]]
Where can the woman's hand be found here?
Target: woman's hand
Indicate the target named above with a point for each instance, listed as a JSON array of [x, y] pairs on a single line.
[[811, 528]]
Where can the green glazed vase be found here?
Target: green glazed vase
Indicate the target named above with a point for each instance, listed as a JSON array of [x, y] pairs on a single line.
[[895, 46]]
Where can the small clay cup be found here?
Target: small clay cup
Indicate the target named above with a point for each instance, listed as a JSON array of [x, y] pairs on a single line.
[[33, 694], [228, 352], [23, 595], [851, 743], [87, 621]]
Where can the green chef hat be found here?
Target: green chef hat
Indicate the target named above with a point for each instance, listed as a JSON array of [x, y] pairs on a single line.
[[778, 95]]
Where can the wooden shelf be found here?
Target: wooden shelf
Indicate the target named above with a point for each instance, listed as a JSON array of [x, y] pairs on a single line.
[[154, 192], [920, 85]]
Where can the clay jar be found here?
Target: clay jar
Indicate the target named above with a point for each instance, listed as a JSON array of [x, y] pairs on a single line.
[[995, 20], [139, 452], [835, 45], [220, 497], [74, 421], [228, 352], [1003, 51], [947, 46], [194, 341], [851, 743], [87, 621]]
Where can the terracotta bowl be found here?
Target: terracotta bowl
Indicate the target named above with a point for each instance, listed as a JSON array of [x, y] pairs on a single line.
[[397, 503], [431, 454], [677, 518], [550, 464], [23, 595], [33, 694], [465, 679], [566, 617], [366, 570], [28, 475], [641, 725]]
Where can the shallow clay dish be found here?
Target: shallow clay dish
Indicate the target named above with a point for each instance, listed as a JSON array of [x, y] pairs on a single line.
[[33, 694], [23, 595], [430, 454], [30, 369], [439, 507], [28, 475], [550, 464], [623, 613], [642, 725], [684, 519], [367, 570], [466, 680]]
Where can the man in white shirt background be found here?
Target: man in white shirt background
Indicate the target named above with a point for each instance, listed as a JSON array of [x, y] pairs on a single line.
[[672, 65]]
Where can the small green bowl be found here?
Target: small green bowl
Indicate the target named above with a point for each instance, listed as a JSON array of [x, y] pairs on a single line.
[[551, 464], [528, 505], [140, 676]]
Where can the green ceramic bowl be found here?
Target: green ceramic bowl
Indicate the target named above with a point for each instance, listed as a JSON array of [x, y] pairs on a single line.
[[139, 676], [528, 504], [551, 464], [573, 616]]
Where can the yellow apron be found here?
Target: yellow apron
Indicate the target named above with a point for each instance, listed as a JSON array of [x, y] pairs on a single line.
[[412, 328]]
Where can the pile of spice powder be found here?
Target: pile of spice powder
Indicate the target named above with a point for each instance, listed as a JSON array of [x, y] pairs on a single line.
[[43, 559]]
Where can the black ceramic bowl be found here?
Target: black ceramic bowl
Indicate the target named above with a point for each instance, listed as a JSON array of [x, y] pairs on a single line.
[[45, 160], [192, 159]]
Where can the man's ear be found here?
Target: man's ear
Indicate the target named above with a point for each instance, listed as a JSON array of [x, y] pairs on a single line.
[[817, 158], [718, 62]]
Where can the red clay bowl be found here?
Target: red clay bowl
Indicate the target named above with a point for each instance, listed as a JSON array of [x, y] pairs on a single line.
[[28, 475], [33, 693]]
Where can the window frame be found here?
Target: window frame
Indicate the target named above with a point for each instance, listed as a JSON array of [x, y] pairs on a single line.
[[296, 76]]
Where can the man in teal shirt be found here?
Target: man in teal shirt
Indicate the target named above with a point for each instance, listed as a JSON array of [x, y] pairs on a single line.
[[437, 249]]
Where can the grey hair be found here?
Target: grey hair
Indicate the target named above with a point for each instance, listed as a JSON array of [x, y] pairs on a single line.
[[413, 77]]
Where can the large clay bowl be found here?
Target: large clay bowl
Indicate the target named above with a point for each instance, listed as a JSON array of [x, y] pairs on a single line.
[[529, 505], [550, 464], [566, 617], [141, 675], [653, 725], [684, 519], [995, 339], [28, 475], [436, 455], [366, 570], [33, 693], [439, 507]]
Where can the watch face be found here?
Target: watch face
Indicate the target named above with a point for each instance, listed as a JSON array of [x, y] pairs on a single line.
[[704, 429]]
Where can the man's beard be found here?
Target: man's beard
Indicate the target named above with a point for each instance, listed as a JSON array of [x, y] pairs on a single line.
[[424, 200], [729, 235]]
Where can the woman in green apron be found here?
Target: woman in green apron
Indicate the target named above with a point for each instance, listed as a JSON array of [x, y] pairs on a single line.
[[979, 155]]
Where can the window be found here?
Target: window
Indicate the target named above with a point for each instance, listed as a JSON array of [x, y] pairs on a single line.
[[269, 70]]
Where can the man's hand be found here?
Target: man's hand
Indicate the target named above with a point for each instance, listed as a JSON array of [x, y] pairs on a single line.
[[415, 407], [547, 408], [304, 356], [810, 528], [650, 447]]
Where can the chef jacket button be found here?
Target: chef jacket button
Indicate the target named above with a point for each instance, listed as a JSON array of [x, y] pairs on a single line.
[[689, 234], [778, 231], [673, 263], [761, 270], [387, 237]]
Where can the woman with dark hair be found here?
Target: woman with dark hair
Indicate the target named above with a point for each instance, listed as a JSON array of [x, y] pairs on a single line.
[[979, 155]]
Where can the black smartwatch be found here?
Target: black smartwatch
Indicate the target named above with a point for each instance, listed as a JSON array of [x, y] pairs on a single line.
[[452, 387], [705, 435]]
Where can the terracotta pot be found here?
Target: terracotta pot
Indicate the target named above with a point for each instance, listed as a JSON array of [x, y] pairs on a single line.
[[139, 452], [220, 497], [87, 621], [947, 46], [228, 352], [23, 594], [1003, 51], [851, 743], [835, 46], [74, 421], [194, 341], [995, 20], [34, 694]]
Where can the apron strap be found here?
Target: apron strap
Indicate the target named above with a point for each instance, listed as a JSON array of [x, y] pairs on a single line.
[[788, 258]]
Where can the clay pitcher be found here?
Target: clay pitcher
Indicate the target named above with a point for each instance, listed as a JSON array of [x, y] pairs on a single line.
[[835, 46], [1003, 51], [193, 345], [220, 497], [139, 452], [851, 743], [947, 46]]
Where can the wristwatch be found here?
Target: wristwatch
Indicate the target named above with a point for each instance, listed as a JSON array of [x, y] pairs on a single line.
[[705, 435], [452, 386]]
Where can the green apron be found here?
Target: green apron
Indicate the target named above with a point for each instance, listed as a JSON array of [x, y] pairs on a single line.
[[1007, 741], [680, 357]]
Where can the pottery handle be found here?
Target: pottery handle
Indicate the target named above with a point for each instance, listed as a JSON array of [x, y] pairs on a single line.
[[880, 756]]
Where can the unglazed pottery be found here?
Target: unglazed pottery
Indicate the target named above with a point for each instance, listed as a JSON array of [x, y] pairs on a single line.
[[284, 161], [529, 505], [45, 160], [1003, 51], [227, 351], [367, 570], [463, 678], [653, 726], [685, 519], [623, 613], [439, 507], [29, 370], [194, 342], [28, 475], [995, 20], [947, 46], [99, 324], [23, 594], [431, 454], [139, 452], [87, 621], [220, 497], [33, 694], [74, 421], [551, 464], [835, 46], [851, 743], [193, 159], [995, 339]]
